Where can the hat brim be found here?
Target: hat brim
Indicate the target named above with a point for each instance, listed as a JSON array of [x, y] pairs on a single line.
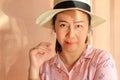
[[45, 19]]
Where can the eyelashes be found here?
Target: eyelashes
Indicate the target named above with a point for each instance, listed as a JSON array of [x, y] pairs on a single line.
[[67, 26]]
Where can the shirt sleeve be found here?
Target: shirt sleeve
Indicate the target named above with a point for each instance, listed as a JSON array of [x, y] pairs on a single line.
[[106, 68]]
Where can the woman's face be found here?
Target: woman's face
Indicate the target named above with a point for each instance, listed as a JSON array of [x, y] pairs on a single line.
[[71, 29]]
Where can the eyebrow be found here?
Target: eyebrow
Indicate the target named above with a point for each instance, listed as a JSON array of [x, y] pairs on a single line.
[[62, 21]]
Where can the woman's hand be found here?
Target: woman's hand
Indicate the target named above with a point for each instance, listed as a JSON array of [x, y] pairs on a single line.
[[38, 55]]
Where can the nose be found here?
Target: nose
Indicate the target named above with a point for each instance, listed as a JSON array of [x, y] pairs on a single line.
[[71, 32]]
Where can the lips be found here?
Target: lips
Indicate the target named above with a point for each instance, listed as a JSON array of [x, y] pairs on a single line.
[[70, 43]]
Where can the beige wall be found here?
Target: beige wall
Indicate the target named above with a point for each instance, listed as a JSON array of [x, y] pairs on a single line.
[[18, 33]]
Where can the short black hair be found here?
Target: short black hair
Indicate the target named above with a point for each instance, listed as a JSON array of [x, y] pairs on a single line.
[[58, 47]]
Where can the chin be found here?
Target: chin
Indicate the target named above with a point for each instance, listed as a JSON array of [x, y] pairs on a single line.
[[70, 49]]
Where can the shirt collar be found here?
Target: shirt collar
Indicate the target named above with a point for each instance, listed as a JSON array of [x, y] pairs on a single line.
[[86, 55], [87, 52]]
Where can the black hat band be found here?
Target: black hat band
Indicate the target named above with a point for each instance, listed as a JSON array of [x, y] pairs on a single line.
[[73, 4]]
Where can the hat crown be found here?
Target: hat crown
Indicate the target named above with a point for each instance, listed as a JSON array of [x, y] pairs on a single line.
[[64, 5], [59, 1]]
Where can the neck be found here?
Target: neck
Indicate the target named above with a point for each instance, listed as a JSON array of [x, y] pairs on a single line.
[[69, 59]]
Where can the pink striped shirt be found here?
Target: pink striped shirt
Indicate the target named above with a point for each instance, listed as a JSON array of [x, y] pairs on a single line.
[[94, 64]]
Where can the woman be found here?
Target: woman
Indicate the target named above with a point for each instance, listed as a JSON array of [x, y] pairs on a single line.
[[75, 59]]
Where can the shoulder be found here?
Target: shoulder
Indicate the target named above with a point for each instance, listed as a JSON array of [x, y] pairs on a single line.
[[102, 58], [104, 64], [101, 55], [97, 54]]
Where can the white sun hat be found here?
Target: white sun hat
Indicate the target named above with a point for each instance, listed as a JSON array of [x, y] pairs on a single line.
[[45, 19]]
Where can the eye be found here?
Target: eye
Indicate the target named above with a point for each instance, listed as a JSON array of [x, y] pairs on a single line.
[[79, 25], [62, 25]]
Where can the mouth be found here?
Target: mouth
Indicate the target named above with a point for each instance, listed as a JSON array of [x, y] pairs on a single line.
[[70, 43]]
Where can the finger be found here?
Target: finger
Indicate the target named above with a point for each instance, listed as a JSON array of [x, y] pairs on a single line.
[[44, 50], [44, 44], [32, 50], [41, 53]]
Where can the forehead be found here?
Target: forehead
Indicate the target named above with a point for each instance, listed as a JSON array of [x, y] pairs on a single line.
[[74, 14]]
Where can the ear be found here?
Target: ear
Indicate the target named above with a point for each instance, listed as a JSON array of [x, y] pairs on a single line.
[[90, 36], [54, 29], [90, 31]]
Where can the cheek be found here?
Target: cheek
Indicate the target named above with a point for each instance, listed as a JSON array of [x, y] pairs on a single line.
[[60, 35], [82, 36]]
